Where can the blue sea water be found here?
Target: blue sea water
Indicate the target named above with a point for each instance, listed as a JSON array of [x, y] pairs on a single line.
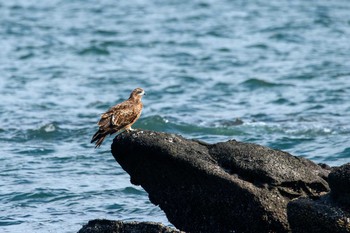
[[276, 73]]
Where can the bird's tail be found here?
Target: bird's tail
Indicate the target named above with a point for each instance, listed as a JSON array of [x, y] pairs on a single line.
[[99, 136]]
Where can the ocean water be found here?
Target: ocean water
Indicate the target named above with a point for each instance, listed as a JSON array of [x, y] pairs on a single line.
[[276, 73]]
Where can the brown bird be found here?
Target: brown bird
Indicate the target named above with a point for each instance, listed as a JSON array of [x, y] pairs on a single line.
[[119, 117]]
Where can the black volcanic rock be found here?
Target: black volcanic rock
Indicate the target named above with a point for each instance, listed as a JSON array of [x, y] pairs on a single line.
[[108, 226], [321, 215], [223, 187], [329, 213], [339, 182]]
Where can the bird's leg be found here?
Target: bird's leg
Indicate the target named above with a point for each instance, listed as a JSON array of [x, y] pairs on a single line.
[[129, 129]]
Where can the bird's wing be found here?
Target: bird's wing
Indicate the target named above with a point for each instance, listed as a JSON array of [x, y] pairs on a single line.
[[118, 116]]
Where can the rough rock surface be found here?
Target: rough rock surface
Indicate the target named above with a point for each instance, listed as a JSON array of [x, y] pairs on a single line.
[[329, 213], [108, 226], [339, 182], [223, 187], [322, 216]]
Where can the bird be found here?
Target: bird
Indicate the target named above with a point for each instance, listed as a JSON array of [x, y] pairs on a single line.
[[120, 117]]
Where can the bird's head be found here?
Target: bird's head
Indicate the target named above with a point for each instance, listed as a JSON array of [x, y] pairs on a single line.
[[137, 93]]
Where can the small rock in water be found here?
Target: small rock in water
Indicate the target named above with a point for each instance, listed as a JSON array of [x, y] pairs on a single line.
[[108, 226]]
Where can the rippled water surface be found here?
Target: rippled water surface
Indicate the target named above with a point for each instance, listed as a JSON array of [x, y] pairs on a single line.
[[276, 73]]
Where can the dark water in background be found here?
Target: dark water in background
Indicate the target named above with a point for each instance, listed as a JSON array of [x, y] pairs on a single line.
[[282, 67]]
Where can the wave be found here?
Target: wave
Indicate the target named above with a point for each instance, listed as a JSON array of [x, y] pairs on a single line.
[[133, 191], [238, 127], [159, 123], [94, 50], [344, 154], [40, 195], [259, 83], [8, 221], [46, 131]]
